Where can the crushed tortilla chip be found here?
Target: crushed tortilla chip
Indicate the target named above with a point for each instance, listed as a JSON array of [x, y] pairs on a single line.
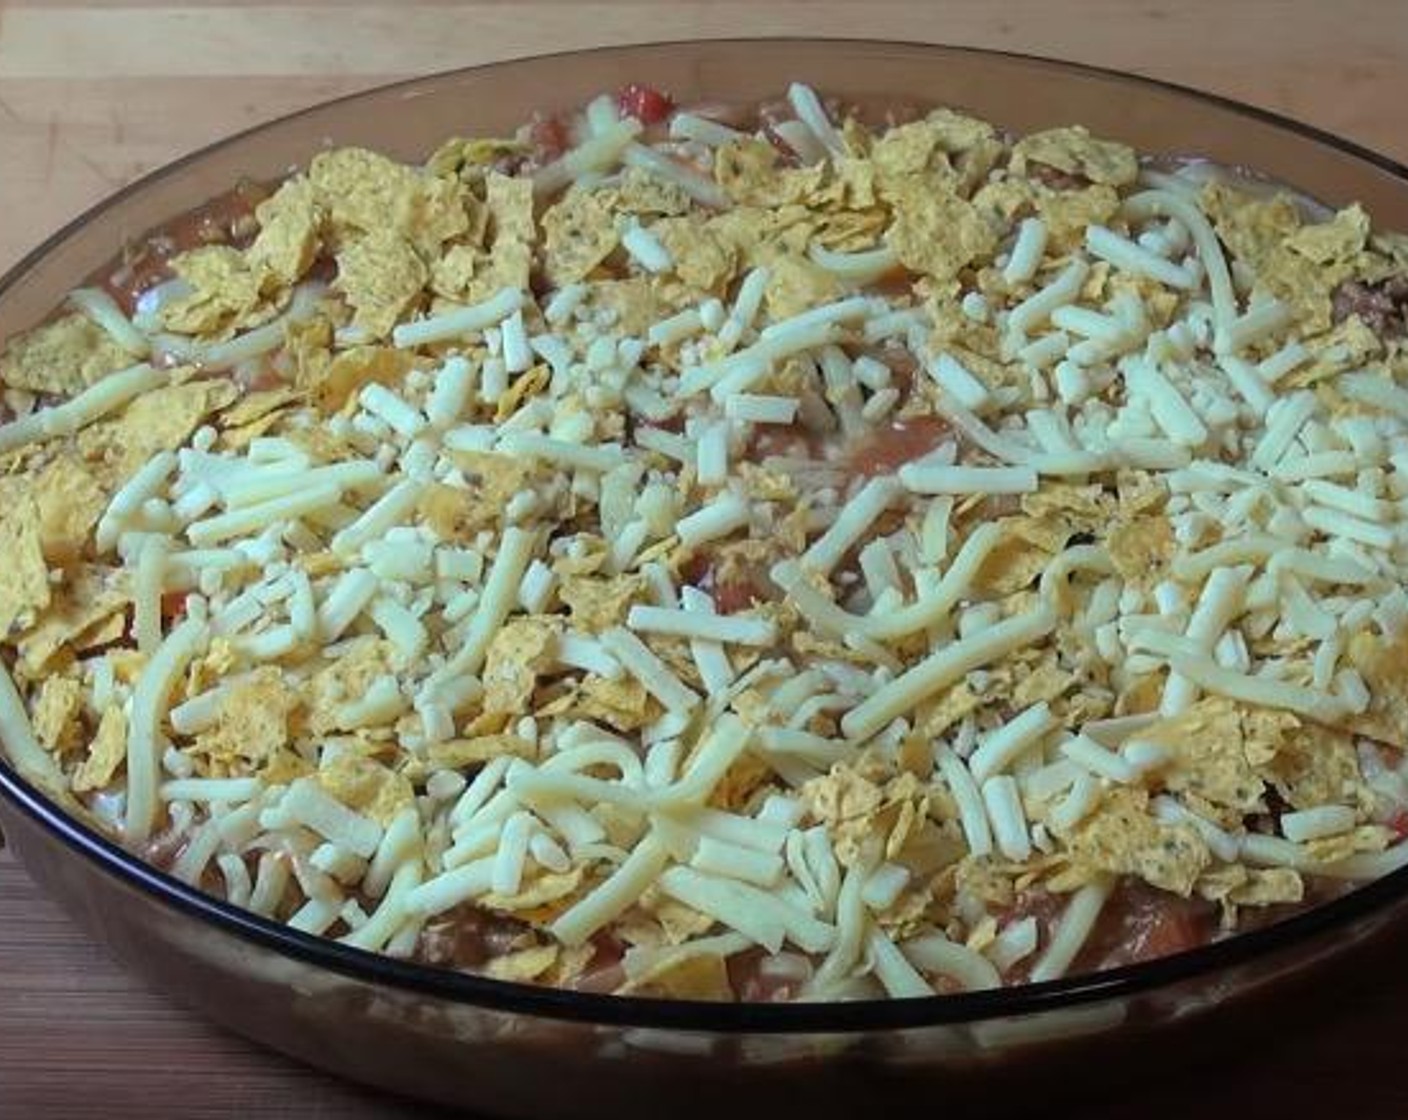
[[1252, 227], [523, 966], [640, 192], [228, 293], [1141, 549], [347, 373], [362, 191], [699, 976], [24, 576], [598, 604], [795, 284], [161, 420], [1121, 837], [579, 232], [106, 753], [88, 597], [1074, 151], [1380, 662], [622, 704], [251, 726], [365, 785], [748, 171], [1365, 838], [1209, 755], [457, 754], [382, 277], [540, 900], [520, 650], [62, 357], [288, 239], [55, 712], [937, 234], [702, 259]]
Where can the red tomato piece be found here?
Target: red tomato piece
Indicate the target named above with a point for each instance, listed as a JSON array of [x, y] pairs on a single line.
[[899, 442], [1144, 925], [549, 136], [646, 103], [173, 605], [730, 598]]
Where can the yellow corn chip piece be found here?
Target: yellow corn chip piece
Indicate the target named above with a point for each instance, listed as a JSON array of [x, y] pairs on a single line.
[[1234, 885], [1365, 838], [365, 659], [382, 277], [55, 712], [796, 284], [522, 648], [456, 754], [24, 576], [1340, 239], [524, 966], [1251, 227], [366, 786], [937, 715], [622, 704], [288, 239], [532, 383], [1074, 151], [68, 499], [229, 294], [161, 420], [1019, 558], [702, 259], [1121, 837], [1067, 213], [645, 194], [454, 513], [747, 170], [937, 234], [1316, 765], [251, 727], [510, 203], [541, 899], [1141, 549], [453, 275], [698, 976], [362, 191], [88, 597], [579, 232], [1380, 663], [347, 373], [62, 357], [106, 753], [597, 604], [1209, 756], [257, 405], [459, 154]]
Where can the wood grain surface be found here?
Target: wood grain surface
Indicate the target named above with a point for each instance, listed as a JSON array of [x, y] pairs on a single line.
[[94, 92]]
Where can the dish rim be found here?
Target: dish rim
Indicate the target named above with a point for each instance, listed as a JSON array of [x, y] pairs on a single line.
[[462, 988]]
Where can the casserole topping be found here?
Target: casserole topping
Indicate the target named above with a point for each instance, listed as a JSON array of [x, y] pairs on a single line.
[[727, 555]]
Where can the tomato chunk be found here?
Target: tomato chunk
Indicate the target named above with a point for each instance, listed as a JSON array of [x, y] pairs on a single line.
[[646, 103], [173, 605], [901, 441], [1144, 924], [549, 138]]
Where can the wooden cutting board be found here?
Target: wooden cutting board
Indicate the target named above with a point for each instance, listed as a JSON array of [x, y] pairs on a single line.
[[94, 92]]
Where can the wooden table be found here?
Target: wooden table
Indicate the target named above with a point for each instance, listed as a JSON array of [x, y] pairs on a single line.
[[94, 92]]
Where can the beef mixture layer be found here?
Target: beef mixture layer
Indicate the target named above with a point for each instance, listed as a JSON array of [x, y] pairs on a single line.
[[762, 553]]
